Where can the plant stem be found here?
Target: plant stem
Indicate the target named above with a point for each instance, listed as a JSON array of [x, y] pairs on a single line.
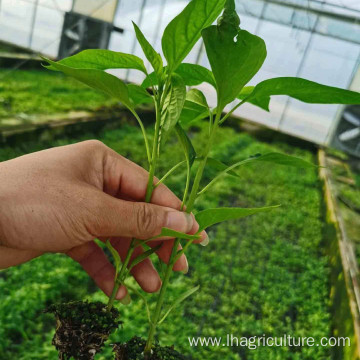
[[155, 152], [160, 300], [169, 173], [143, 133], [174, 254], [160, 99], [121, 276], [233, 109], [186, 191], [149, 190], [201, 168]]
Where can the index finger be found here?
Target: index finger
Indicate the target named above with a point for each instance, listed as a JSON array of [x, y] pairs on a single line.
[[124, 178]]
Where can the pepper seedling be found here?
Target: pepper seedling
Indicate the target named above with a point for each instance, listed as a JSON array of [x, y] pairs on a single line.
[[235, 56]]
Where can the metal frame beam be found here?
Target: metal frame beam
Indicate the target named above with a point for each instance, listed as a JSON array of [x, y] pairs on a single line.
[[317, 13]]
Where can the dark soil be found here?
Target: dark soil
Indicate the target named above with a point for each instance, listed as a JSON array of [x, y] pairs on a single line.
[[134, 350], [82, 328]]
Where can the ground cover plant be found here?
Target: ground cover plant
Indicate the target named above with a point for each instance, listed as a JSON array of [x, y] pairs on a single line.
[[347, 192], [259, 275], [28, 93], [235, 57]]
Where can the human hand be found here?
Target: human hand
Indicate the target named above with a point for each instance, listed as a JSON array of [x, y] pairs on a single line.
[[61, 199]]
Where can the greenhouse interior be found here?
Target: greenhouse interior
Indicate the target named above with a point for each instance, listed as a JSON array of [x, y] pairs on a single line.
[[131, 132]]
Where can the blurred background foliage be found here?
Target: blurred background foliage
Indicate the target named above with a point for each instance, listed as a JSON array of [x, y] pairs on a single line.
[[29, 92], [268, 274]]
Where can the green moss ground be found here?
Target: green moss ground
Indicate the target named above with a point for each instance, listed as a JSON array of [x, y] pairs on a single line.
[[348, 196], [267, 274], [28, 92]]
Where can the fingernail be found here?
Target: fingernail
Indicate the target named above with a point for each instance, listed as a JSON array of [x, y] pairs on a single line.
[[177, 220], [126, 300], [186, 270], [206, 241], [197, 226]]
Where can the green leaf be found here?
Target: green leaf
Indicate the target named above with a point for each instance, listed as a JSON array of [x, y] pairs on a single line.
[[178, 301], [186, 144], [115, 256], [174, 234], [151, 80], [211, 217], [185, 29], [187, 117], [138, 95], [194, 74], [192, 112], [97, 79], [262, 102], [102, 60], [144, 256], [283, 159], [275, 158], [303, 90], [235, 56], [150, 53], [173, 106], [219, 166], [177, 234], [195, 107], [197, 97]]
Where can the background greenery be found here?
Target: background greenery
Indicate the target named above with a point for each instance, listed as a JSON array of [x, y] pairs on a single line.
[[266, 274], [27, 92]]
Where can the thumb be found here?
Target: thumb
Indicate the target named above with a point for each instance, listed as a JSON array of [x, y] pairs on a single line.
[[117, 217]]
